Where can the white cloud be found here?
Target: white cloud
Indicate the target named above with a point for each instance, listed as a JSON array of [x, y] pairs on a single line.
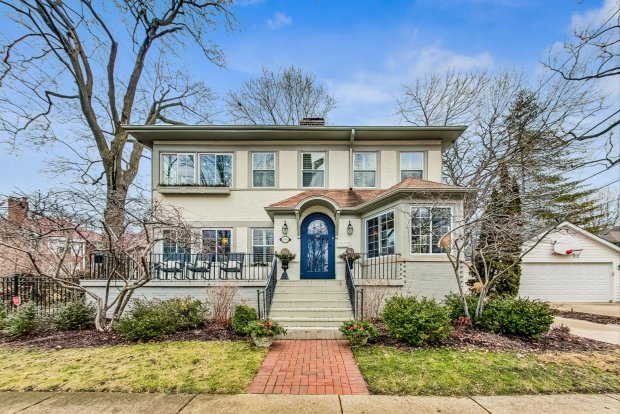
[[594, 16], [279, 20]]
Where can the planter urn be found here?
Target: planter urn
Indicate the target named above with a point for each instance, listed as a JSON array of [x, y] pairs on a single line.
[[357, 341], [262, 341], [284, 268]]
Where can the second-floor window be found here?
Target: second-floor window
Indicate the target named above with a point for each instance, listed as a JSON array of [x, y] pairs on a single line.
[[313, 169], [364, 169], [177, 169], [411, 165], [263, 169], [216, 170]]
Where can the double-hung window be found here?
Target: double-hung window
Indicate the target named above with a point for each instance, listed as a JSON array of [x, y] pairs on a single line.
[[313, 169], [175, 246], [262, 245], [365, 169], [380, 235], [216, 170], [217, 241], [177, 169], [411, 165], [428, 226], [263, 169]]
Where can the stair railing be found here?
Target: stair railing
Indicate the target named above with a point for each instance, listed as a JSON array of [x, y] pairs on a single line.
[[356, 296], [265, 296]]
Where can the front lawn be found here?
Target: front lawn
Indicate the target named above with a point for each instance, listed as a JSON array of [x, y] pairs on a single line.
[[388, 370], [172, 367]]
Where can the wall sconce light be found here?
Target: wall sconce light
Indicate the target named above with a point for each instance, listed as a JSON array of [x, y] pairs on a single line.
[[350, 228], [284, 228]]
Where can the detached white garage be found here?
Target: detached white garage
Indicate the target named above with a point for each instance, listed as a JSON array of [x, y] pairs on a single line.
[[571, 265]]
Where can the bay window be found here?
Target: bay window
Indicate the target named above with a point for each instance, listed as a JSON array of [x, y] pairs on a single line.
[[364, 169], [428, 226], [380, 235], [263, 169], [411, 165], [313, 169]]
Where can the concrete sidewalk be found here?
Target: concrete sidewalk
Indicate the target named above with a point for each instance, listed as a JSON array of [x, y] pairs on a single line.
[[604, 333], [108, 403]]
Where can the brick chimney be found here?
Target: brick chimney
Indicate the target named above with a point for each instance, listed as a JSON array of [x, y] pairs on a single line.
[[312, 122], [18, 210]]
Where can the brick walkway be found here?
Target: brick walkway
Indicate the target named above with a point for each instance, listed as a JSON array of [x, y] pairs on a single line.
[[309, 367]]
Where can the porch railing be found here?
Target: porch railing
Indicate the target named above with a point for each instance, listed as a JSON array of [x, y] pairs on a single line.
[[265, 296], [378, 267], [356, 296], [47, 295], [181, 266]]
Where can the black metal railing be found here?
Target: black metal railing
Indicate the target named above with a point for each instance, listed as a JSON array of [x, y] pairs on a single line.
[[47, 294], [378, 267], [183, 266], [265, 296], [356, 296]]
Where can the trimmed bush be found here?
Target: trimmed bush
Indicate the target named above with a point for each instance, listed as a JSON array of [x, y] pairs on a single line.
[[454, 303], [529, 319], [22, 322], [154, 319], [241, 318], [416, 321], [75, 315]]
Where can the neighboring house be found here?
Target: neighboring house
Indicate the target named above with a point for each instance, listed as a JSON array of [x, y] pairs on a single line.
[[611, 234], [54, 242], [314, 190], [572, 265]]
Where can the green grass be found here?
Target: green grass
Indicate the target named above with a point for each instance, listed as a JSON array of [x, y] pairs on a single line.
[[459, 372], [170, 367]]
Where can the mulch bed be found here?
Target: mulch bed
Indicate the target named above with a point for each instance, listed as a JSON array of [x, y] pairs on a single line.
[[590, 317], [92, 338], [558, 340]]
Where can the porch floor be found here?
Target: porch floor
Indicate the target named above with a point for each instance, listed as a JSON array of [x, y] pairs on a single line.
[[309, 367]]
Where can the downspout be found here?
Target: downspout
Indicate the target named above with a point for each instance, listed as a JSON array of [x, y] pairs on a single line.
[[351, 158]]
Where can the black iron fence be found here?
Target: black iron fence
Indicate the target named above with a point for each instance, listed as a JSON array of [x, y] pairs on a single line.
[[356, 296], [182, 266], [47, 294], [265, 296], [379, 267]]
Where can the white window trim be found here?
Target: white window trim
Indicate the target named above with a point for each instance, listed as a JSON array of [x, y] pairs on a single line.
[[301, 169], [376, 170], [263, 245], [429, 206], [424, 163], [275, 168], [366, 232], [176, 240], [230, 241], [161, 163], [197, 166]]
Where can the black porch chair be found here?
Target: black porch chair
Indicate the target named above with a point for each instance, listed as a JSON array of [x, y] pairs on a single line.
[[202, 264], [233, 263], [167, 267]]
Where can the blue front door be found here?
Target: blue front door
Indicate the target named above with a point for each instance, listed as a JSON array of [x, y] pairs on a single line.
[[318, 247]]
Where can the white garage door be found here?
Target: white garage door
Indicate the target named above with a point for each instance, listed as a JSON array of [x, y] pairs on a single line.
[[574, 282]]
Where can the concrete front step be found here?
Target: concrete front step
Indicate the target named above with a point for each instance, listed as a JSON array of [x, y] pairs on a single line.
[[312, 289], [297, 312], [305, 332], [309, 296], [306, 321], [311, 303], [311, 282]]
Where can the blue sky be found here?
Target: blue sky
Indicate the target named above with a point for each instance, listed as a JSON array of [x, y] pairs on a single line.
[[363, 51]]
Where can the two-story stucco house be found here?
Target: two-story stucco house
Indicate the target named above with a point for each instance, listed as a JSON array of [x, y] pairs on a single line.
[[312, 189]]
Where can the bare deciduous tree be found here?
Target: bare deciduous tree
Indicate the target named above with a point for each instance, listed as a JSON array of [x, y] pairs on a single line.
[[83, 69], [72, 218], [279, 98]]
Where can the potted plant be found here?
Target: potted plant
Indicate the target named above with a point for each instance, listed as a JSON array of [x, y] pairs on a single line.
[[263, 331], [285, 256], [358, 332], [350, 256]]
